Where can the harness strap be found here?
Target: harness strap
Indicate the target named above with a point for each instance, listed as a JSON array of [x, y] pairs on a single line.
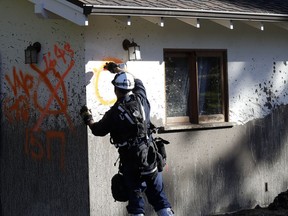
[[126, 114], [144, 117], [149, 172], [140, 142]]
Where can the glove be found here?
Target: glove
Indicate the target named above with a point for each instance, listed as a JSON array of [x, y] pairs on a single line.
[[110, 66], [86, 115]]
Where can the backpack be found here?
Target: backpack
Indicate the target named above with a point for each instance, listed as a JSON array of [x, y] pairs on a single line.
[[141, 150]]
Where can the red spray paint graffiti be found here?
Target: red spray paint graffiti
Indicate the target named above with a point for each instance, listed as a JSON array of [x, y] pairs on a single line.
[[27, 99], [17, 108], [38, 145], [60, 85]]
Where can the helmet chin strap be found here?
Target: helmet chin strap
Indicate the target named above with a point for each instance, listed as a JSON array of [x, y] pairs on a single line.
[[119, 94]]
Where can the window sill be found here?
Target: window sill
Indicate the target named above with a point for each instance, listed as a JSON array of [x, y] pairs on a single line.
[[186, 127]]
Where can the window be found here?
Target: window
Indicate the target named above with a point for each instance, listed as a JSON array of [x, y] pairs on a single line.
[[196, 86]]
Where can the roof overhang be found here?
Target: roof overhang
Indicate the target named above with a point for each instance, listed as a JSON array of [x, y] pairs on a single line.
[[191, 17], [182, 13], [64, 9], [77, 12]]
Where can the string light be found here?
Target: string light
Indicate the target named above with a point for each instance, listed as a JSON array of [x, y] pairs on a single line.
[[129, 21], [198, 23], [231, 25], [162, 22]]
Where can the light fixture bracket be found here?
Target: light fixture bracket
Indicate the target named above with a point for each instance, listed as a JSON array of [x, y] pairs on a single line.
[[133, 50], [31, 53], [126, 44]]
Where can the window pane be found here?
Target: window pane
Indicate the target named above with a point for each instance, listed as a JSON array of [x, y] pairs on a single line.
[[177, 86], [209, 85]]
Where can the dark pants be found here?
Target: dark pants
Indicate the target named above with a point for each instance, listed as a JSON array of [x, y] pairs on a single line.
[[152, 187]]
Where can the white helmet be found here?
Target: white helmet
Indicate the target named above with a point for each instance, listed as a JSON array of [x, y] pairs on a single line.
[[124, 80]]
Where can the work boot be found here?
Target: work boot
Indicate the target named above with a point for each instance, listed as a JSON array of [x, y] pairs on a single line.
[[165, 212]]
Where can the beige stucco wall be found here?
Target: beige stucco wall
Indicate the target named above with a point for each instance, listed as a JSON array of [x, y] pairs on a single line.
[[208, 170]]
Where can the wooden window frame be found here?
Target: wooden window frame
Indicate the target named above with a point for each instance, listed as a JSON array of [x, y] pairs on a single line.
[[194, 117]]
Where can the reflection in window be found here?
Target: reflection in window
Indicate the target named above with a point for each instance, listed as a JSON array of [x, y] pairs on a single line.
[[177, 86], [209, 85]]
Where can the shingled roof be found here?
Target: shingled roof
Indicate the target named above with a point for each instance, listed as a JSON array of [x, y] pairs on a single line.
[[237, 9]]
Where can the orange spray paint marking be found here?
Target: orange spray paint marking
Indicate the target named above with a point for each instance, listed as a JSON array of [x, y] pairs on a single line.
[[43, 76], [33, 145], [17, 108], [112, 59], [50, 135], [22, 81], [38, 145]]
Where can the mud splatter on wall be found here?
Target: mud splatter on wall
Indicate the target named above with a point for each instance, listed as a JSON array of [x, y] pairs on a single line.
[[260, 89], [273, 90]]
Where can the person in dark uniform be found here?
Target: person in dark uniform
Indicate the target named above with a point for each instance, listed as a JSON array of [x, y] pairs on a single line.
[[122, 134]]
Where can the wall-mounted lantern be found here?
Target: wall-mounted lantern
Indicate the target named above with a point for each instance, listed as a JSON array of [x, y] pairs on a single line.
[[31, 53], [133, 50]]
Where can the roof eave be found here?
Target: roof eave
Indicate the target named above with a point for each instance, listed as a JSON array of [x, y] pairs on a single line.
[[184, 13]]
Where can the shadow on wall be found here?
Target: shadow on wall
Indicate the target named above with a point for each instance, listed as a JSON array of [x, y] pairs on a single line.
[[225, 170], [259, 149], [88, 77]]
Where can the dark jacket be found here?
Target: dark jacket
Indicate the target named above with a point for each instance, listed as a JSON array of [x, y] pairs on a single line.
[[111, 122]]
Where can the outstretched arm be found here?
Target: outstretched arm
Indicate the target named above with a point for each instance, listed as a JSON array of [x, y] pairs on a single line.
[[100, 128]]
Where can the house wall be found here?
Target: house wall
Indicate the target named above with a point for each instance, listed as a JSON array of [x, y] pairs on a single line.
[[51, 165], [44, 163], [208, 171]]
